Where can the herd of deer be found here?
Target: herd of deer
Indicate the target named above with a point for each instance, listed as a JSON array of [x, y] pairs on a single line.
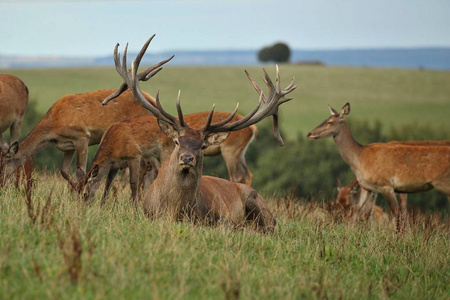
[[135, 132]]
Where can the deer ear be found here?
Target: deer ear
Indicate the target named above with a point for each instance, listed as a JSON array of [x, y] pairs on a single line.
[[333, 112], [345, 110], [217, 138], [168, 129], [13, 149]]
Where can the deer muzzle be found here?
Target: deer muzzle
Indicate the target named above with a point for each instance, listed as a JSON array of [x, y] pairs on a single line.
[[187, 160]]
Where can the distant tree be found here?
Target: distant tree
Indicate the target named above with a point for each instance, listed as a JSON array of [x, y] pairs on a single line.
[[278, 53], [264, 54]]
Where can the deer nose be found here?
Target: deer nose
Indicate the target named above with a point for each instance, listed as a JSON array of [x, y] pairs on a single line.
[[186, 159]]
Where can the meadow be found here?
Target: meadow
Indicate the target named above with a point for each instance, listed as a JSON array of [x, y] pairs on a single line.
[[396, 97], [55, 246]]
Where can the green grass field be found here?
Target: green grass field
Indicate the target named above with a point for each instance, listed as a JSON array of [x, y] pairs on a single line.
[[396, 97], [74, 251], [60, 248]]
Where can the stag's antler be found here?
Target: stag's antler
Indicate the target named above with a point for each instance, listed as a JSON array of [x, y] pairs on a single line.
[[270, 107], [143, 76], [270, 104]]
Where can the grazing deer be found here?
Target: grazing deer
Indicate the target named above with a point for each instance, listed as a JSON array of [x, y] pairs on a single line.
[[72, 124], [389, 168], [180, 189], [134, 142], [13, 104]]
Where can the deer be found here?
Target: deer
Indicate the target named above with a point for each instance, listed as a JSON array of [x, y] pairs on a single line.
[[13, 104], [356, 201], [388, 168], [77, 121], [139, 145], [180, 190]]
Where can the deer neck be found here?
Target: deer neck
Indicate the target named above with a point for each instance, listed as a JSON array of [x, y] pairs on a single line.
[[350, 149], [37, 139], [178, 187]]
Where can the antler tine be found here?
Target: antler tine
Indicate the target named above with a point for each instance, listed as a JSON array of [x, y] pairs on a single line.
[[270, 107], [180, 112], [143, 76], [165, 115], [208, 125], [255, 85]]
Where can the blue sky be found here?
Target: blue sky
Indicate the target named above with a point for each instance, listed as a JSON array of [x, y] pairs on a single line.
[[92, 28]]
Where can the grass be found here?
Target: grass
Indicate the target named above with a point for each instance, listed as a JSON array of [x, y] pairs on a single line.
[[395, 96], [57, 247], [71, 250]]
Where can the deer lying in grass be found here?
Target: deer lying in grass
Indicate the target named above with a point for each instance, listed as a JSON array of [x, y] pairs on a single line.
[[389, 168], [13, 104], [180, 190], [352, 199], [135, 142]]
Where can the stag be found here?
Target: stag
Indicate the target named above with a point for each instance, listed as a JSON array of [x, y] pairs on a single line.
[[139, 144], [13, 104], [389, 168], [180, 190]]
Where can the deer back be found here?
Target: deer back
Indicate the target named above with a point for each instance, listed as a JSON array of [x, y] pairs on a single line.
[[13, 100]]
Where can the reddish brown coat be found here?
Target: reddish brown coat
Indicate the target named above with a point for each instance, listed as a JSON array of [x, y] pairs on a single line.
[[13, 104]]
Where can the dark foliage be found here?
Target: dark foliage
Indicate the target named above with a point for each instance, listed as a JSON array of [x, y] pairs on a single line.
[[279, 53]]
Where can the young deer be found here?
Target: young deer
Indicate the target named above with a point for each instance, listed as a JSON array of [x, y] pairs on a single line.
[[351, 199], [388, 168], [180, 189], [13, 104], [137, 142]]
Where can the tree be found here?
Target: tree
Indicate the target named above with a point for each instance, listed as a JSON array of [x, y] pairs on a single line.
[[278, 53]]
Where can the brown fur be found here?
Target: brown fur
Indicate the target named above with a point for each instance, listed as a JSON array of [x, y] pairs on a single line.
[[350, 200], [388, 168], [72, 124], [130, 142], [180, 190], [13, 104]]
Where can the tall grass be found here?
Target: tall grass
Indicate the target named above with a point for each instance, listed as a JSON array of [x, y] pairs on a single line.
[[82, 251]]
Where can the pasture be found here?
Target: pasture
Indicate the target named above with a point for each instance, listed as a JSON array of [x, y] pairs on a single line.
[[62, 249], [393, 96], [55, 246]]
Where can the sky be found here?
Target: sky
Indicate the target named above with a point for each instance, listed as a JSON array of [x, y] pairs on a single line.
[[92, 28]]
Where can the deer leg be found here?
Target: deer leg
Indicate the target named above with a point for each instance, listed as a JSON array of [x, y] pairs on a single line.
[[390, 197], [65, 169], [403, 210], [237, 167], [15, 131], [81, 147], [109, 180], [134, 166]]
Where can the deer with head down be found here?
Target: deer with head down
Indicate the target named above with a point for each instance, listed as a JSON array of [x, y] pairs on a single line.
[[13, 104], [75, 122], [180, 190], [389, 168]]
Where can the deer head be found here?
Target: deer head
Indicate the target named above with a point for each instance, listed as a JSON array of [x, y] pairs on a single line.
[[331, 126]]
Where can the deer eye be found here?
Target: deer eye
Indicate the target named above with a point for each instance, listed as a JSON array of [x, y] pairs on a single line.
[[177, 143], [204, 147]]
